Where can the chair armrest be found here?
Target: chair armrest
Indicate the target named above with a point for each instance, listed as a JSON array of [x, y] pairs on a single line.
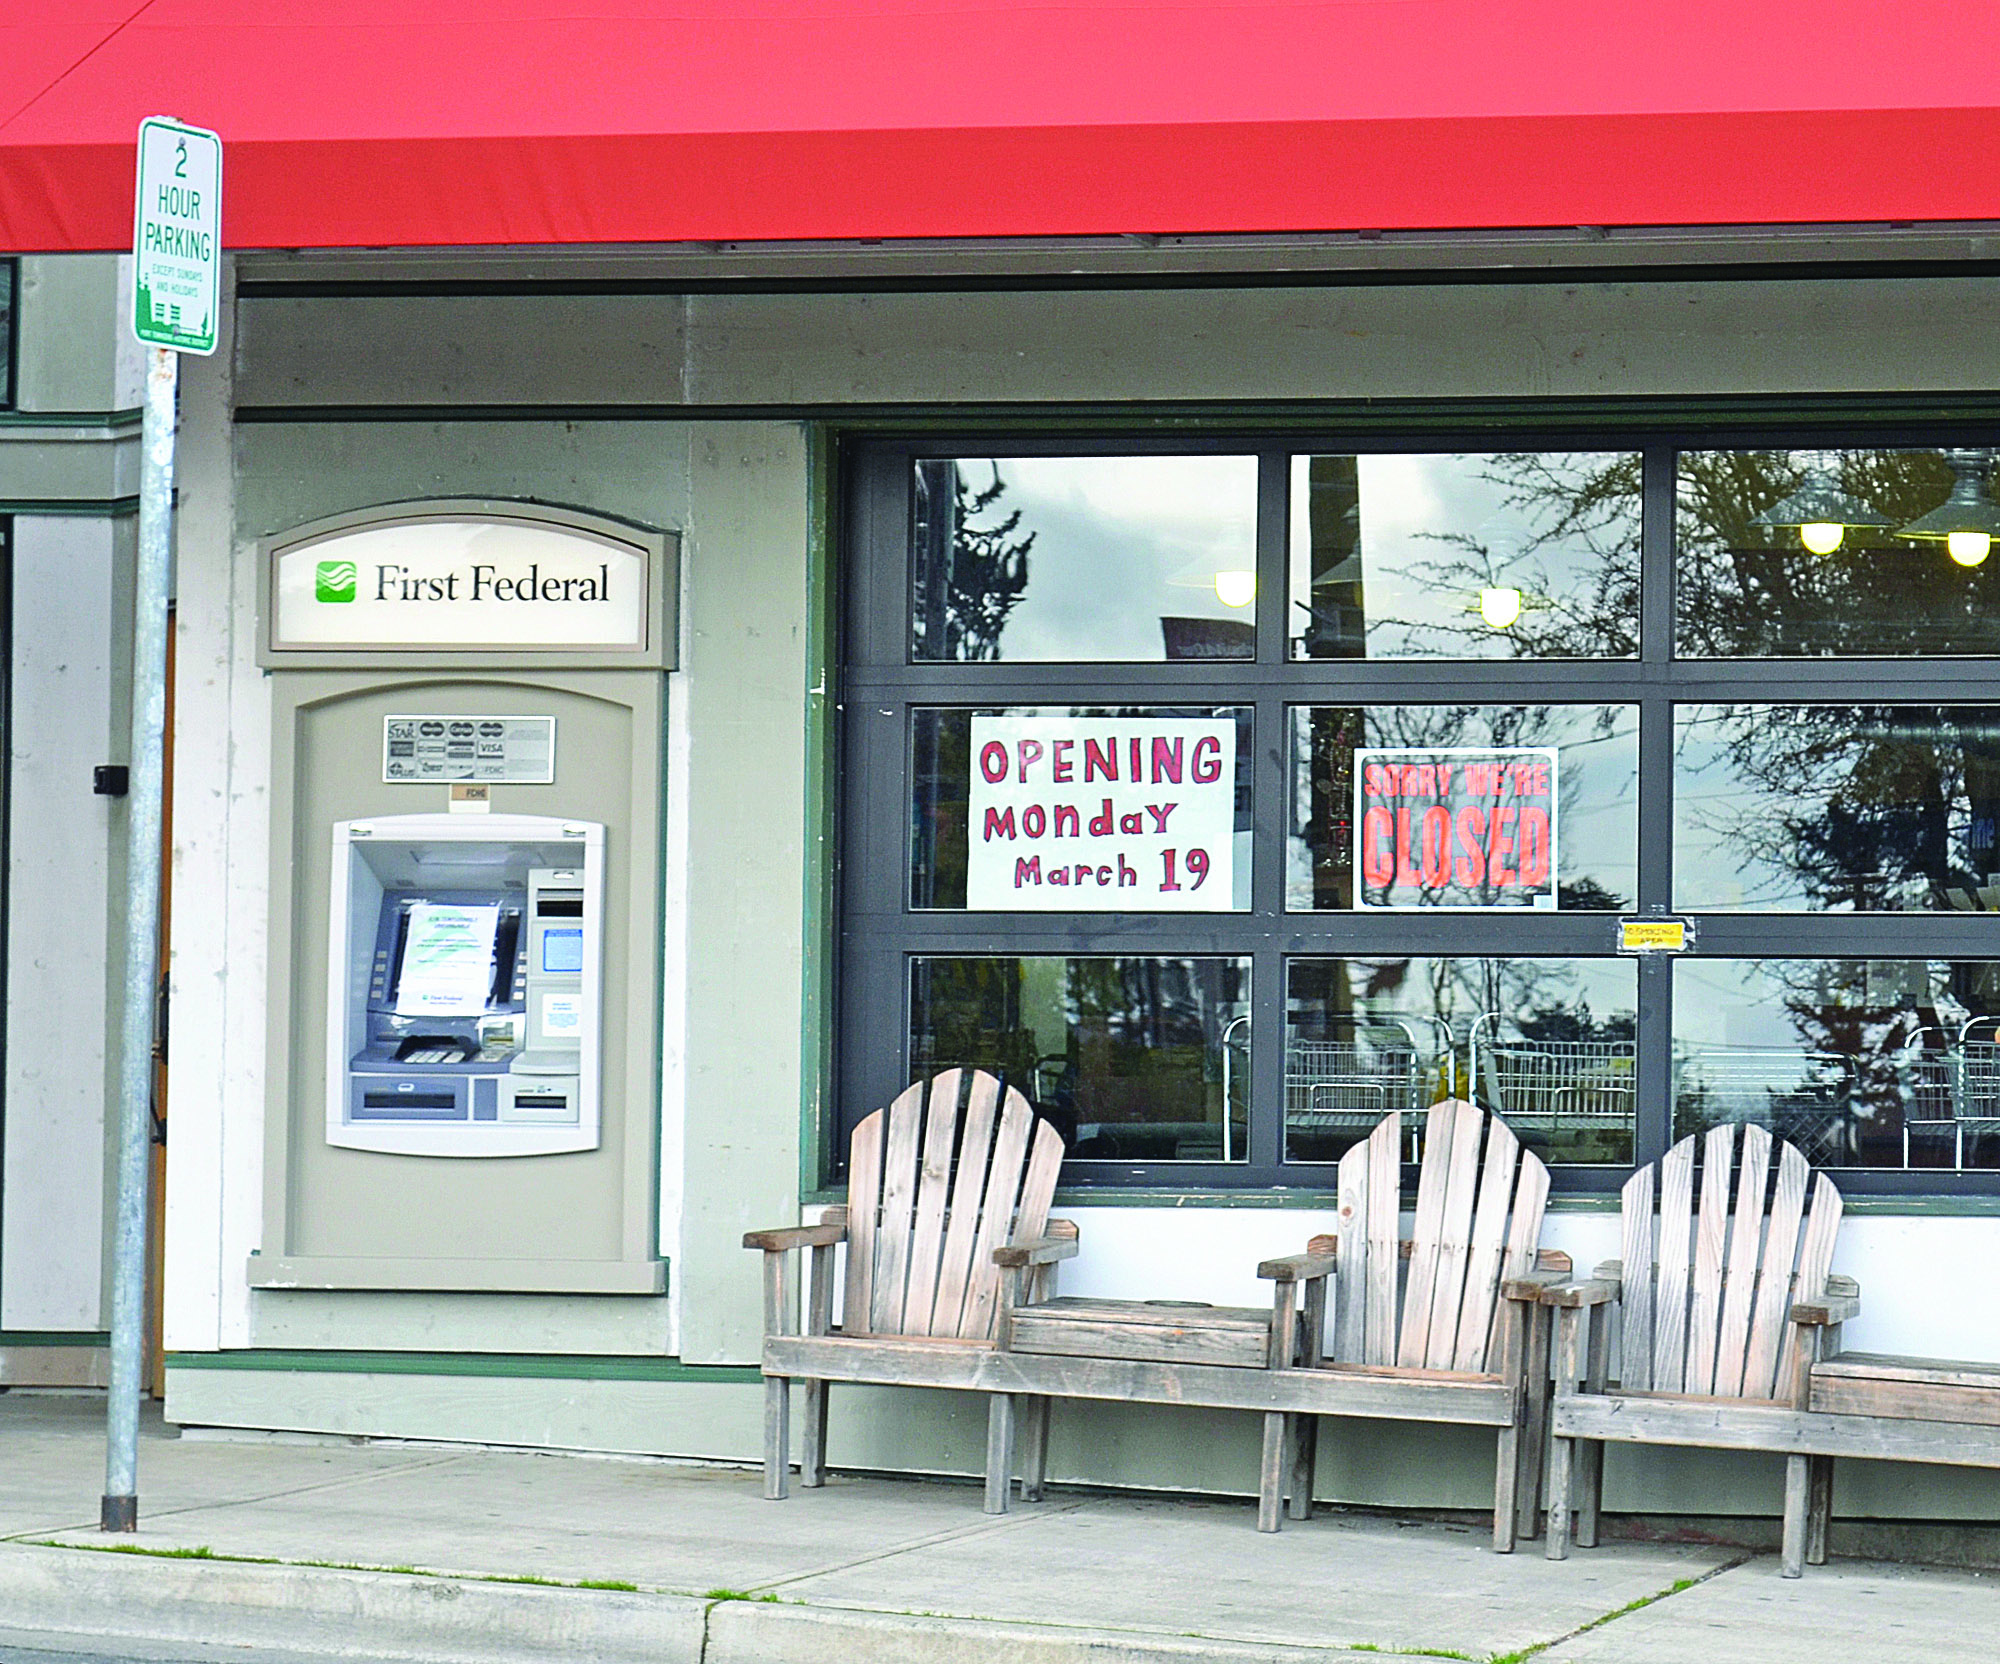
[[1591, 1291], [797, 1236], [1826, 1311], [1297, 1268], [1045, 1250]]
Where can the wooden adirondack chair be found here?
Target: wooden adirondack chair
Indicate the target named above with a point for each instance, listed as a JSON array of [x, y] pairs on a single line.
[[1720, 1321], [1467, 1318], [931, 1196]]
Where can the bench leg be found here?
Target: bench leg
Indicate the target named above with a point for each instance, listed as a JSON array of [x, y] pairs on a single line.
[[1305, 1451], [1566, 1457], [812, 1437], [1590, 1452], [1271, 1473], [1797, 1488], [1819, 1508], [1562, 1454], [999, 1450], [777, 1437], [1506, 1481], [1534, 1422], [1035, 1447]]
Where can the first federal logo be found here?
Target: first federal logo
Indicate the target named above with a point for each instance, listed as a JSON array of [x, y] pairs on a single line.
[[333, 580]]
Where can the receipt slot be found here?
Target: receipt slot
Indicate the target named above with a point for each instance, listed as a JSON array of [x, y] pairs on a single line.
[[466, 985]]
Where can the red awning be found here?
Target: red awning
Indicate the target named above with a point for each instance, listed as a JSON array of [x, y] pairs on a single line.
[[353, 123]]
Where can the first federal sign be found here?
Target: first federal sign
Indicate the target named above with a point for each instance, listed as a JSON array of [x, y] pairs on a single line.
[[177, 236]]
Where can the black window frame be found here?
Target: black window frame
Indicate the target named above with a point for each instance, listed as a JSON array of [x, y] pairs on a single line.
[[880, 682]]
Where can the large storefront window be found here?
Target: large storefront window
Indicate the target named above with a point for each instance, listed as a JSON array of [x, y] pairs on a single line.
[[1225, 797]]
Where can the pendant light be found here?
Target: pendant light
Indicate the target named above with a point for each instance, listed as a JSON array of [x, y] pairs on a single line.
[[1968, 520], [1820, 511]]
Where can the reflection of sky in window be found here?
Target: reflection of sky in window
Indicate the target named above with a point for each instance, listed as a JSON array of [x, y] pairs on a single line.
[[1121, 542], [1456, 992], [1731, 847], [1434, 531], [1763, 1005], [1597, 786]]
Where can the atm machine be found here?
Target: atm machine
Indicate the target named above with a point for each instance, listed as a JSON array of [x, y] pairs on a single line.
[[464, 989]]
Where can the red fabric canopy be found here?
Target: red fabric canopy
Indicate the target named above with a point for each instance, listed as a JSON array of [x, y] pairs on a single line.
[[353, 123]]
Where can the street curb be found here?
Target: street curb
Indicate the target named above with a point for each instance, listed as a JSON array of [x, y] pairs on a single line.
[[755, 1632], [434, 1620], [455, 1620]]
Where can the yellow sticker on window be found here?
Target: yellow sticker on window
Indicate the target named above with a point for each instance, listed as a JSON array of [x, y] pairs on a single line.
[[1652, 936]]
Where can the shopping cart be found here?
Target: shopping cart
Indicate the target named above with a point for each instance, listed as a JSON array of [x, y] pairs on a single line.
[[1976, 1106], [1567, 1088], [1349, 1082], [1927, 1079]]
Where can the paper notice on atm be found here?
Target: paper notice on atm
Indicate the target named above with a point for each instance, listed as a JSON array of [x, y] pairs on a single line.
[[447, 961]]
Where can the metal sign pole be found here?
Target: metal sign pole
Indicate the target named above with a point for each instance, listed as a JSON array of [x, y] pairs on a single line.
[[142, 939]]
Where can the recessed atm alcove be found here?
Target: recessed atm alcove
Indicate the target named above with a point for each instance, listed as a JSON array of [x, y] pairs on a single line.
[[465, 923]]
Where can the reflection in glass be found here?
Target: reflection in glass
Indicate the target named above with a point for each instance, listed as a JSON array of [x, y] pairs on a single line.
[[1133, 559], [941, 778], [1837, 808], [1597, 789], [1131, 1059], [1547, 1043], [1511, 556], [1863, 552], [1859, 1062]]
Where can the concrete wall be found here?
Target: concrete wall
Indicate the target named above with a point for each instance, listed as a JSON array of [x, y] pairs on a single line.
[[695, 421]]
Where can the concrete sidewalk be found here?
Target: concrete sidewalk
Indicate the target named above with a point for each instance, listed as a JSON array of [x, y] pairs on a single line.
[[427, 1553]]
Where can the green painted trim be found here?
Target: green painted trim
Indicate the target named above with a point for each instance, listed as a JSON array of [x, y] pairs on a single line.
[[115, 419], [1107, 1196], [532, 1366], [115, 508], [821, 798], [1923, 1207], [54, 1337]]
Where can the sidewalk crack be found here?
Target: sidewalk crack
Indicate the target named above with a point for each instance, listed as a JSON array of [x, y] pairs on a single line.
[[247, 1501], [955, 1534], [1677, 1587]]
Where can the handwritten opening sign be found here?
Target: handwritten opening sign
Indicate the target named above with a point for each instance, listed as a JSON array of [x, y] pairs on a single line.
[[1101, 814], [1457, 826]]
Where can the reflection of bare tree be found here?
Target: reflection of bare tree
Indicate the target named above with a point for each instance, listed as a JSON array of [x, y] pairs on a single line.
[[969, 574], [1747, 589], [1572, 549]]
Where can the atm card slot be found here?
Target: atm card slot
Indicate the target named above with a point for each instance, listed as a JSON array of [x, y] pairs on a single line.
[[407, 1106]]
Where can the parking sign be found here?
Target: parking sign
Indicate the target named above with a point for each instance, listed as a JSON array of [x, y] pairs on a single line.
[[177, 236]]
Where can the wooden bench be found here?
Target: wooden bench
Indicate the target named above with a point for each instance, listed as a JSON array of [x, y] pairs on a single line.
[[1721, 1316], [1445, 1327], [951, 1256], [932, 1195]]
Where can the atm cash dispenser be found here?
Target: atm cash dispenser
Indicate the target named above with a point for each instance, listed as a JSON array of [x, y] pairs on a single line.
[[465, 985]]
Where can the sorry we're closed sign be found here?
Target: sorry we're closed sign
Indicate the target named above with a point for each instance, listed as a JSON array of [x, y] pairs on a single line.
[[1465, 827]]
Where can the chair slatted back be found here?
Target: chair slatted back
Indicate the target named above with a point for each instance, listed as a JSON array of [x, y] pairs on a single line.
[[1477, 1223], [932, 1191], [1705, 1303]]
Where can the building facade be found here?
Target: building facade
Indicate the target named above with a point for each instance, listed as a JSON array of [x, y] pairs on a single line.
[[1357, 519]]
